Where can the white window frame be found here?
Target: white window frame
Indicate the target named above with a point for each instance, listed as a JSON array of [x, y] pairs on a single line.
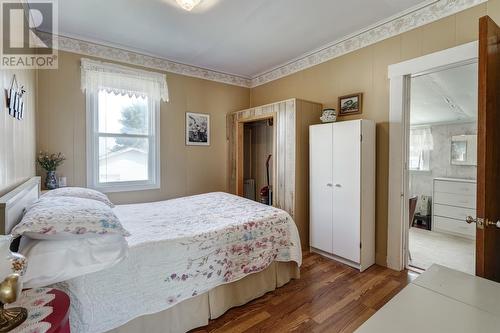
[[154, 182]]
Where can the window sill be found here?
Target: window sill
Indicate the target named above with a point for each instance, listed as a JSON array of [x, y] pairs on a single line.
[[126, 188], [421, 172]]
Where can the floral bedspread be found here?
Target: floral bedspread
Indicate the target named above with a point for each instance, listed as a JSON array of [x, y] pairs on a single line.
[[181, 248]]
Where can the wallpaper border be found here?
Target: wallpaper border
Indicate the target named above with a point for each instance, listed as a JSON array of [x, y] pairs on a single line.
[[404, 22], [134, 58], [425, 15]]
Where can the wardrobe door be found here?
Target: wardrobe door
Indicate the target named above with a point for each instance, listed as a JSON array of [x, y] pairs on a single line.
[[346, 190], [321, 187]]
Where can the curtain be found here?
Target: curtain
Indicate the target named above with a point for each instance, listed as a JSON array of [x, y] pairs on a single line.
[[421, 139], [123, 80], [421, 143]]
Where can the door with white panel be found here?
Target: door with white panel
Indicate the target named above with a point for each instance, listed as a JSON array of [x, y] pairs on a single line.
[[321, 194], [346, 164]]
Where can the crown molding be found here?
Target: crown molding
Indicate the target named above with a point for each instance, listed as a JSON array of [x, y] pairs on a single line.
[[92, 49], [430, 11], [403, 22]]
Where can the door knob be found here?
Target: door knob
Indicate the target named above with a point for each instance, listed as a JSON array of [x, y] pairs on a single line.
[[482, 222]]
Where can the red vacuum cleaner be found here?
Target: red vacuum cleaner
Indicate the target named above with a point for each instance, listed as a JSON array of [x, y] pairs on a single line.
[[266, 193]]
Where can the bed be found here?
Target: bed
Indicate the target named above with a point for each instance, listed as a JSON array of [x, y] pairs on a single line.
[[190, 259]]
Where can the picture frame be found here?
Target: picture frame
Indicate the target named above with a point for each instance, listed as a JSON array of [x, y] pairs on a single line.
[[351, 104], [197, 129], [464, 150]]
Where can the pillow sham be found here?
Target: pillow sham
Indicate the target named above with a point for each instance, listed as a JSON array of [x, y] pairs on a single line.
[[56, 261], [57, 218], [79, 192]]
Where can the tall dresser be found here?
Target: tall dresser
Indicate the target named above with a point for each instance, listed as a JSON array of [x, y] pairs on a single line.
[[342, 191], [454, 200]]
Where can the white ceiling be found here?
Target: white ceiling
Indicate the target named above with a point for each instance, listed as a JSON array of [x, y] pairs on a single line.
[[240, 37], [447, 96]]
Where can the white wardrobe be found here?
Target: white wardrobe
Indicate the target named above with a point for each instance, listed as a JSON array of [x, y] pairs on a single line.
[[342, 191]]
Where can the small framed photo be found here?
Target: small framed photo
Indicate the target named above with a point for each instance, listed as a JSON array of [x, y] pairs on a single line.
[[351, 104], [197, 129]]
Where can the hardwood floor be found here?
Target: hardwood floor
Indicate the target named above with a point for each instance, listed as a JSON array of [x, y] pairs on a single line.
[[329, 297]]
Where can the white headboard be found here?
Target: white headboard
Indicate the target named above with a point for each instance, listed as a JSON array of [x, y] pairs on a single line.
[[12, 204]]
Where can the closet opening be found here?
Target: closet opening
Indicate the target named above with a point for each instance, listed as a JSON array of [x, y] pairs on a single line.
[[257, 161]]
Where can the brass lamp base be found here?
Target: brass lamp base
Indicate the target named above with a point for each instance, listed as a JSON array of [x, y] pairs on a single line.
[[11, 318]]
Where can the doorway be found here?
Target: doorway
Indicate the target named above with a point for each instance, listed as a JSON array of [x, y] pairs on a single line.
[[442, 167], [487, 218], [400, 76]]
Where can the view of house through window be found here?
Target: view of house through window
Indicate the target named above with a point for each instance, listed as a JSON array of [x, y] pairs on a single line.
[[124, 137]]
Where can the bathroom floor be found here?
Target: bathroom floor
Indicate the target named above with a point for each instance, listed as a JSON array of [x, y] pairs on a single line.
[[429, 247]]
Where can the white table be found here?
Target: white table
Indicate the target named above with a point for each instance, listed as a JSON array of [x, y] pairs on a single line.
[[440, 300]]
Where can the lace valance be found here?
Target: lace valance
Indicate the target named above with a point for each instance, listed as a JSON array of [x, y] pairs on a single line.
[[123, 80]]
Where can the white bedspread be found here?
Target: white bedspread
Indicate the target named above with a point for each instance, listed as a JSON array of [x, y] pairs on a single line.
[[179, 249]]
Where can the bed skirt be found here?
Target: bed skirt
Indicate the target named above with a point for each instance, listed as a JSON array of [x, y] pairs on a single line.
[[197, 311]]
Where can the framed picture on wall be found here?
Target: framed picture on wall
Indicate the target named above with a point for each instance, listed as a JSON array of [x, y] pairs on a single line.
[[197, 129], [351, 104]]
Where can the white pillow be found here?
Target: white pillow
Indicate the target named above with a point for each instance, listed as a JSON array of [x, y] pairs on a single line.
[[57, 218], [79, 192], [51, 262]]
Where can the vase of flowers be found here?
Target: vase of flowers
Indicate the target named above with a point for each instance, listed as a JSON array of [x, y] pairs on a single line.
[[50, 163]]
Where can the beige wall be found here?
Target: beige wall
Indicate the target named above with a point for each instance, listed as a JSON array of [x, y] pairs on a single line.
[[17, 137], [184, 170], [365, 71]]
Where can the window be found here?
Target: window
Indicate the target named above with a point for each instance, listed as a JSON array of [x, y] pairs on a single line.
[[122, 127], [421, 145]]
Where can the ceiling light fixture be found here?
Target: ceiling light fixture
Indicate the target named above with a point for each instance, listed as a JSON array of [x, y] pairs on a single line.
[[188, 4]]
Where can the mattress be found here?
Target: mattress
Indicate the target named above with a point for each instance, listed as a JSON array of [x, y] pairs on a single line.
[[179, 249]]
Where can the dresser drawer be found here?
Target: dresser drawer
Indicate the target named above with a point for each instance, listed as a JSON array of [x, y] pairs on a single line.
[[457, 200], [455, 187], [453, 212], [452, 226]]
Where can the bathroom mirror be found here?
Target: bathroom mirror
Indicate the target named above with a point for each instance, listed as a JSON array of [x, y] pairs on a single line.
[[464, 150]]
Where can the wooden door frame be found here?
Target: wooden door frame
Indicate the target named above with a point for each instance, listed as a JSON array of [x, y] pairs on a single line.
[[400, 77], [488, 177], [240, 144]]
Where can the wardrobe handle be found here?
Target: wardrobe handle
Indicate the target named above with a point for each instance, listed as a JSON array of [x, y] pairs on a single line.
[[329, 185], [338, 185]]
